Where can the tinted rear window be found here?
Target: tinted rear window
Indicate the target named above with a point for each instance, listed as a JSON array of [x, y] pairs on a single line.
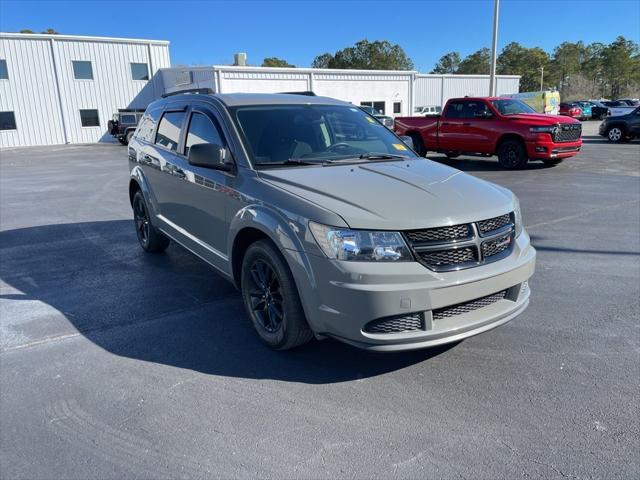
[[169, 130], [148, 125]]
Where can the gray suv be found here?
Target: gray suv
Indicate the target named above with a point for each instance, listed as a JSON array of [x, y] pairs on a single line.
[[328, 223]]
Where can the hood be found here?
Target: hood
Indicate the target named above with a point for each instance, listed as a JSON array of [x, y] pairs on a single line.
[[395, 195], [541, 119]]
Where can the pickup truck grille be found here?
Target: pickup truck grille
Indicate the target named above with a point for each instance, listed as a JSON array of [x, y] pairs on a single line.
[[568, 132], [463, 246]]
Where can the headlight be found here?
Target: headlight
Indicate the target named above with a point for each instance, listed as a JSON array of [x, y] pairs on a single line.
[[543, 129], [360, 245], [518, 216]]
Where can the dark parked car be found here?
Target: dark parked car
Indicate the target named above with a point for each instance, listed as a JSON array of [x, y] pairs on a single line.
[[123, 124], [598, 110], [622, 127]]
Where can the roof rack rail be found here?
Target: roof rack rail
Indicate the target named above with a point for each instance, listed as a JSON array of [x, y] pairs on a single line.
[[308, 93], [204, 91]]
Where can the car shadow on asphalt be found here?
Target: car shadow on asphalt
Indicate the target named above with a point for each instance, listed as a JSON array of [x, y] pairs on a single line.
[[170, 308]]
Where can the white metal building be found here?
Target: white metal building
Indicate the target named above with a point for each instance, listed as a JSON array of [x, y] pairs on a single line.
[[394, 93], [57, 89]]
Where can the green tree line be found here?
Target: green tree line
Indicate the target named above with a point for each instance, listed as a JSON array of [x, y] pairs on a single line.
[[577, 70]]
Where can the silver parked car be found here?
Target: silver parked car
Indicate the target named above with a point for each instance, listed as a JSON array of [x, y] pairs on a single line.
[[328, 223]]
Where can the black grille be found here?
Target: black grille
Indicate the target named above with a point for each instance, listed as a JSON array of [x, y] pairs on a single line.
[[462, 246], [467, 307], [454, 232], [494, 247], [567, 132], [486, 226], [448, 257], [408, 323]]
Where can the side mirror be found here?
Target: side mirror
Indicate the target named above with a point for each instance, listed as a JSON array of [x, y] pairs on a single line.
[[483, 114], [209, 155], [408, 140]]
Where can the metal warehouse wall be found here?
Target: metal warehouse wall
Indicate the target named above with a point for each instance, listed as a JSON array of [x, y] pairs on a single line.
[[437, 89], [409, 88], [353, 86], [46, 98]]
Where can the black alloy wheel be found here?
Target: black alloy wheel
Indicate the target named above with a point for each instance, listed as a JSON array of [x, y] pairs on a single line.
[[265, 292]]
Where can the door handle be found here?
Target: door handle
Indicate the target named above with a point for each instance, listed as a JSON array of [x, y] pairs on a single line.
[[447, 123], [466, 124]]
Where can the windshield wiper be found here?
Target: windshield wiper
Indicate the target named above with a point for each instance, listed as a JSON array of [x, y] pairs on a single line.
[[380, 156], [291, 161]]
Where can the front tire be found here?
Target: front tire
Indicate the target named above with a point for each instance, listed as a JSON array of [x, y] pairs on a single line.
[[512, 155], [271, 298], [151, 240], [615, 134]]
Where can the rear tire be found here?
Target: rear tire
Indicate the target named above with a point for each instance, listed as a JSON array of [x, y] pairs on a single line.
[[271, 298], [615, 134], [512, 155], [418, 144], [151, 239]]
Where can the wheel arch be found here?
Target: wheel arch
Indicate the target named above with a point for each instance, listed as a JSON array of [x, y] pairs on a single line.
[[258, 222], [509, 136]]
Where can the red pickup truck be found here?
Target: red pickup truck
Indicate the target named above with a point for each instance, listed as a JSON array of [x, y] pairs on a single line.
[[489, 126]]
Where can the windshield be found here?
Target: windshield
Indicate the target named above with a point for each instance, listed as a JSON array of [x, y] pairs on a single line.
[[511, 107], [278, 134]]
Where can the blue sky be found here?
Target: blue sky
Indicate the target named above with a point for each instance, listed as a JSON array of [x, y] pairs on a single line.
[[208, 32]]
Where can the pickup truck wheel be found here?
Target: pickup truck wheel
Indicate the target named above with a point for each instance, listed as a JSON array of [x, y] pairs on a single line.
[[615, 134], [151, 239], [271, 298], [418, 144], [512, 155]]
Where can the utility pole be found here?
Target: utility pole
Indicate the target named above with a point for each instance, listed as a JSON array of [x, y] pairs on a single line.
[[494, 49], [542, 78]]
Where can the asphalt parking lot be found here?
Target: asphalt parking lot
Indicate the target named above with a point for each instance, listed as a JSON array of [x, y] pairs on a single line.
[[117, 364]]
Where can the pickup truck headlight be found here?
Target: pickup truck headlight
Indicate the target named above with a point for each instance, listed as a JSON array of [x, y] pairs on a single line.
[[518, 216], [360, 245], [542, 129]]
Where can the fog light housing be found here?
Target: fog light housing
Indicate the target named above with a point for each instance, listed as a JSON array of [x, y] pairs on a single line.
[[541, 149]]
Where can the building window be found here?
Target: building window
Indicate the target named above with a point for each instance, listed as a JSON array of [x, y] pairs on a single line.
[[89, 118], [378, 106], [397, 107], [139, 71], [7, 121], [82, 70], [4, 73]]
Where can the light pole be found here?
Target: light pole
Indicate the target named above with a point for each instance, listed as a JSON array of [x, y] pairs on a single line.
[[494, 48], [542, 78]]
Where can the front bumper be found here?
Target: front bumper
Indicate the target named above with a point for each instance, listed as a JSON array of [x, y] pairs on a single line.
[[546, 149], [349, 295]]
